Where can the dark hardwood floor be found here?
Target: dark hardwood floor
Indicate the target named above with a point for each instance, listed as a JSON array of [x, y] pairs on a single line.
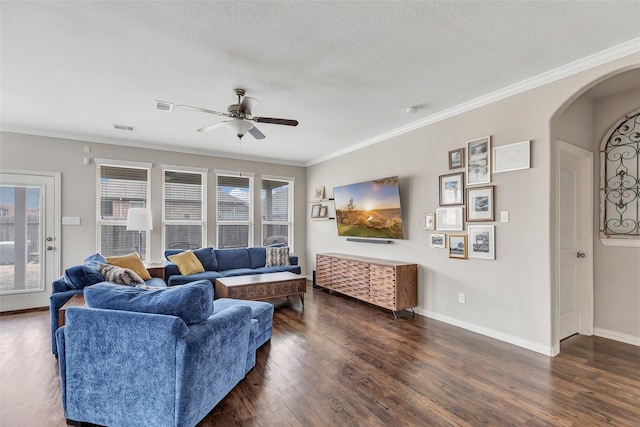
[[346, 363]]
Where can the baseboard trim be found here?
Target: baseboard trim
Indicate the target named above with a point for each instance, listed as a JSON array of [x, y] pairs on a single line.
[[500, 336], [616, 336]]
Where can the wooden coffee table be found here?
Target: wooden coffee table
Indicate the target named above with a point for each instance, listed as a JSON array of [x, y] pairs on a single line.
[[261, 286]]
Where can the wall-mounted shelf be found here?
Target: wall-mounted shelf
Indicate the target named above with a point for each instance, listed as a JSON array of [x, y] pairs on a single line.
[[326, 206]]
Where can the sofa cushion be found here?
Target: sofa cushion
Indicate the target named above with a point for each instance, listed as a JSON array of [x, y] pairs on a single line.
[[257, 257], [229, 259], [238, 272], [279, 268], [119, 275], [187, 262], [79, 276], [277, 256], [210, 276], [260, 311], [192, 302], [131, 261], [206, 256]]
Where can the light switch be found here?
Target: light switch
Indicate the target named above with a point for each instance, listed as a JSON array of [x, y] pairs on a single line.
[[504, 216], [70, 220]]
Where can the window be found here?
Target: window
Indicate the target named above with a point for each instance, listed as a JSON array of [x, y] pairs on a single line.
[[234, 210], [277, 210], [120, 185], [184, 207], [619, 186]]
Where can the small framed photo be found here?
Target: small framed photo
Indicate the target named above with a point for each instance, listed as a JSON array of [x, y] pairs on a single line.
[[437, 240], [319, 193], [323, 211], [449, 219], [482, 241], [430, 221], [480, 203], [315, 210], [457, 246], [452, 189], [479, 161], [512, 157], [456, 158]]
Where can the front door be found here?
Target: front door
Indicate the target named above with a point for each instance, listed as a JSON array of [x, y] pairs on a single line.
[[29, 238]]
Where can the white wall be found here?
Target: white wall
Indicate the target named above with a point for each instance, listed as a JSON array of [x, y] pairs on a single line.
[[36, 153], [510, 298]]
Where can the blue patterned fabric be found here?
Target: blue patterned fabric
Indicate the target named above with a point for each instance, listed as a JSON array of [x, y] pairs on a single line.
[[122, 368], [192, 302]]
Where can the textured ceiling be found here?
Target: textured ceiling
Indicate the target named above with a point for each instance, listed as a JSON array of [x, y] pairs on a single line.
[[346, 71]]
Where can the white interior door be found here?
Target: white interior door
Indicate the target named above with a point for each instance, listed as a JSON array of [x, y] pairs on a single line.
[[29, 238], [575, 219]]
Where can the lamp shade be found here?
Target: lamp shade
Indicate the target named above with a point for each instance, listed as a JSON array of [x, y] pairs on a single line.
[[239, 127], [139, 219]]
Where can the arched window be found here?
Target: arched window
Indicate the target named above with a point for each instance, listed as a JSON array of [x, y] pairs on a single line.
[[620, 183]]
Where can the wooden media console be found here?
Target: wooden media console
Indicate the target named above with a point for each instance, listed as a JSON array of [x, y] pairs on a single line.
[[388, 284]]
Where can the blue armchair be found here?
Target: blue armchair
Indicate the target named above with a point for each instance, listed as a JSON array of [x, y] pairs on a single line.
[[128, 365]]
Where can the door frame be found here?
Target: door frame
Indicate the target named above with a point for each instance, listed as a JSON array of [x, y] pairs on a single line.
[[585, 205], [53, 265]]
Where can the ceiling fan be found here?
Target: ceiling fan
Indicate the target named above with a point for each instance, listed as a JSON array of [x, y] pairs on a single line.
[[240, 116]]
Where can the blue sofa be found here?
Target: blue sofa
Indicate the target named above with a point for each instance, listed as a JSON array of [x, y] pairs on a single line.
[[166, 357], [225, 263], [74, 280]]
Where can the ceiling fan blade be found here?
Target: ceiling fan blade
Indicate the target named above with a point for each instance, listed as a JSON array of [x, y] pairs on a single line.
[[255, 132], [212, 127], [203, 110], [287, 122], [247, 105]]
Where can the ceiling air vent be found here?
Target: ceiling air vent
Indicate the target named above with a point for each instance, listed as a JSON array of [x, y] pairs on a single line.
[[164, 106], [123, 127]]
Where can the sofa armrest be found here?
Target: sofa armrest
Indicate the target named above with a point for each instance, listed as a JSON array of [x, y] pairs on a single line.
[[293, 259], [56, 301], [170, 269]]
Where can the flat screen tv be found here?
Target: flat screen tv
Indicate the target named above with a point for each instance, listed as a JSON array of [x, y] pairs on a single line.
[[369, 209]]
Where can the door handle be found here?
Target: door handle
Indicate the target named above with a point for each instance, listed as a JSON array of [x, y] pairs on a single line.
[[581, 255], [49, 248]]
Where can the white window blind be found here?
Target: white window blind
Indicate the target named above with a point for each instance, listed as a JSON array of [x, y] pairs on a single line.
[[118, 189], [184, 209], [234, 211], [277, 211]]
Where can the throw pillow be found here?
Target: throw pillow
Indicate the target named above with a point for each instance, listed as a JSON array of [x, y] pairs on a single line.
[[187, 262], [131, 261], [192, 302], [79, 276], [277, 256], [122, 276]]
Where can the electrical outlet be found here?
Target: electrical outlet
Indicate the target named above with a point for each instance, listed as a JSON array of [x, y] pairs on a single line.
[[462, 298]]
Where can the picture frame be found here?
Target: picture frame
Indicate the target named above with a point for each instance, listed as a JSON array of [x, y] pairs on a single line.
[[482, 242], [512, 157], [457, 246], [319, 194], [437, 240], [450, 219], [430, 221], [479, 161], [456, 158], [315, 210], [323, 211], [480, 206], [452, 189]]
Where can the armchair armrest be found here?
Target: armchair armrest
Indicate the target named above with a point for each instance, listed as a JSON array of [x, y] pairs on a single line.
[[56, 301]]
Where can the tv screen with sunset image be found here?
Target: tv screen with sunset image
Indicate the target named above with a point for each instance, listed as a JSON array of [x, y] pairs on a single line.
[[369, 209]]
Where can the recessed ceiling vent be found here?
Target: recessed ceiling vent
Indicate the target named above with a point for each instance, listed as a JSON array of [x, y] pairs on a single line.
[[123, 127], [164, 106]]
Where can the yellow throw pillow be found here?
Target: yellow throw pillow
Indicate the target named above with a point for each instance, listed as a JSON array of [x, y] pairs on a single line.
[[187, 262], [131, 261]]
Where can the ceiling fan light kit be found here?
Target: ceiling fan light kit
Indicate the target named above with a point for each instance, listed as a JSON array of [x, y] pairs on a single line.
[[241, 117]]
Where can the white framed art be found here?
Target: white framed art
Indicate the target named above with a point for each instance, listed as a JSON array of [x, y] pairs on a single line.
[[449, 219], [437, 240], [482, 241], [512, 157], [479, 161]]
